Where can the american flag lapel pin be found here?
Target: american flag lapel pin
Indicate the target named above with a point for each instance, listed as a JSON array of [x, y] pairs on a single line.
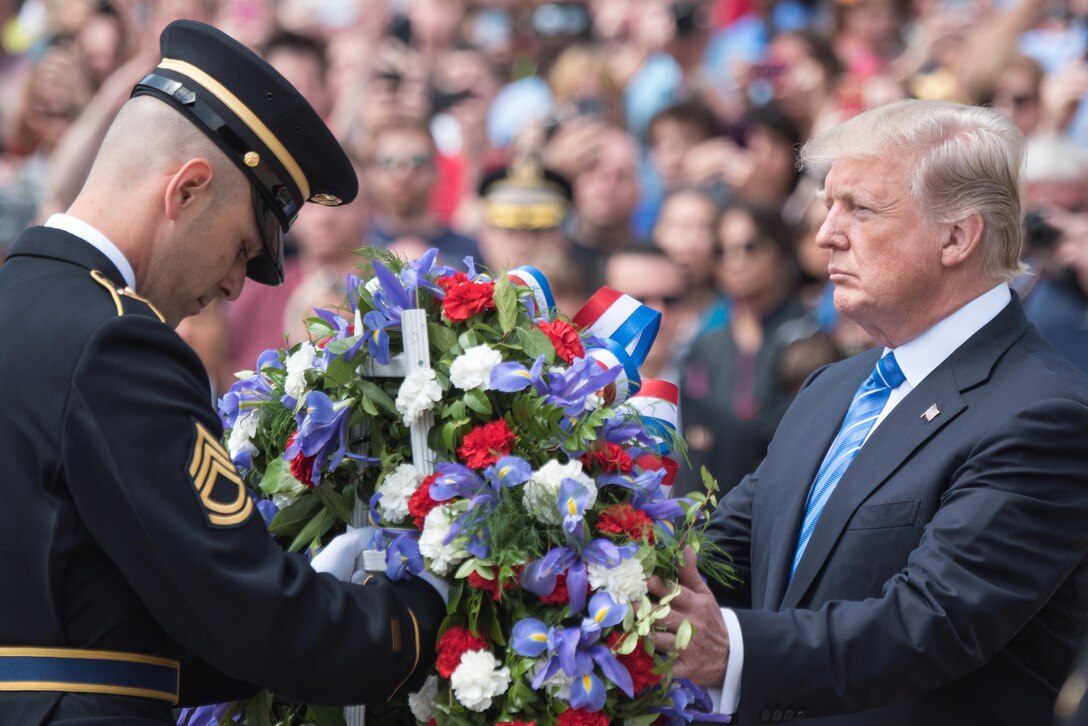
[[931, 413]]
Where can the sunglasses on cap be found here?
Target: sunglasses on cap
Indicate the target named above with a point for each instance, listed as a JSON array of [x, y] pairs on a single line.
[[267, 269]]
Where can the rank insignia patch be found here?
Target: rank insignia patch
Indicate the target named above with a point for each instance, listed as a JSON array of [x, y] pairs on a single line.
[[221, 491]]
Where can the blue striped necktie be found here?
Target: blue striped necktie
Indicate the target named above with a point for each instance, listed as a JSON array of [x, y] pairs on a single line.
[[863, 412]]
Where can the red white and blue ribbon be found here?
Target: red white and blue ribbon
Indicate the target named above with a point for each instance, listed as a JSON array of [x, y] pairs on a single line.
[[622, 318], [612, 355], [656, 405], [535, 280]]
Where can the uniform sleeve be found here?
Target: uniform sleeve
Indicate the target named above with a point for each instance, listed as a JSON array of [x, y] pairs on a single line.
[[141, 452], [1009, 531]]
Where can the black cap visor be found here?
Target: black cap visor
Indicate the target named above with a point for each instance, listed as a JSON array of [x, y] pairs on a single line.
[[267, 269]]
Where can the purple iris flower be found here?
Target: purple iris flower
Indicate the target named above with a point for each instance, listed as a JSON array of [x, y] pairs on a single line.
[[575, 652], [343, 330], [269, 358], [573, 499], [268, 510], [324, 425], [510, 377], [685, 694], [402, 559], [455, 480], [509, 471], [648, 496], [569, 388], [352, 284], [539, 576], [375, 336], [415, 275], [625, 431], [391, 298], [249, 393], [206, 715]]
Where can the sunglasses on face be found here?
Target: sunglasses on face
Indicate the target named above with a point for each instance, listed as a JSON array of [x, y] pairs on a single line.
[[660, 302], [413, 162]]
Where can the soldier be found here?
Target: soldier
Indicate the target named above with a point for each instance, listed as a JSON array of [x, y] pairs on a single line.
[[136, 571]]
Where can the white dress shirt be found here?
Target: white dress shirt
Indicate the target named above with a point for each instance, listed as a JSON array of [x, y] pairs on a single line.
[[917, 359], [90, 235]]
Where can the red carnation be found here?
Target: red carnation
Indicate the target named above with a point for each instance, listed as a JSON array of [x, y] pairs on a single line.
[[565, 339], [638, 663], [492, 586], [560, 595], [624, 519], [420, 503], [611, 458], [464, 298], [453, 644], [484, 445], [578, 717], [302, 467]]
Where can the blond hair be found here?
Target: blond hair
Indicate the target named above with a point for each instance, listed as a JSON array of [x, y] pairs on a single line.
[[968, 160]]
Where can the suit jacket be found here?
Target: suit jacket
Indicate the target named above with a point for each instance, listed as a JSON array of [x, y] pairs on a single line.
[[124, 526], [946, 582]]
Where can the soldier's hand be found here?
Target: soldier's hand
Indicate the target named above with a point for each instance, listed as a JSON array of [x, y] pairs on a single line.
[[339, 556]]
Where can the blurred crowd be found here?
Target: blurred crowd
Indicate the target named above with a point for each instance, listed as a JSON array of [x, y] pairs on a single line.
[[644, 144]]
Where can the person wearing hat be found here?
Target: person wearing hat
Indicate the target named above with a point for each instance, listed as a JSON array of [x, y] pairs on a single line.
[[523, 207], [137, 571]]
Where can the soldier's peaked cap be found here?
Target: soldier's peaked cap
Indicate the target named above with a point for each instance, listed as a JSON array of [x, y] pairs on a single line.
[[260, 121]]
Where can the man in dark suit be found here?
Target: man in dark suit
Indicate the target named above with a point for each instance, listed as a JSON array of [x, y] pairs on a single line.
[[913, 548], [131, 555]]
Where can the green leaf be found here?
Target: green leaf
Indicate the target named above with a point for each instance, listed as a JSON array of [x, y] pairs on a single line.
[[442, 338], [326, 715], [292, 518], [378, 395], [318, 328], [535, 343], [466, 567], [313, 531], [627, 645], [259, 708], [506, 303], [332, 502], [683, 634], [467, 340], [278, 478], [477, 401], [340, 371], [341, 346]]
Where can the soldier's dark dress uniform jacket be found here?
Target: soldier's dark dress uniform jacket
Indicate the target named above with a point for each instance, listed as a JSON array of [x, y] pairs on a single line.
[[125, 528]]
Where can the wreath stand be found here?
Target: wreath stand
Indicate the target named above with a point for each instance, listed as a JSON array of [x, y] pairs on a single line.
[[416, 356]]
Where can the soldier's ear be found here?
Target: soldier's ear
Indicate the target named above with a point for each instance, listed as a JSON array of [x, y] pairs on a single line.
[[189, 184]]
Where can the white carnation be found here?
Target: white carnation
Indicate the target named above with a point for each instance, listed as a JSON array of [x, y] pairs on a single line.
[[472, 369], [624, 582], [419, 392], [443, 557], [422, 702], [241, 436], [397, 487], [297, 364], [541, 492], [478, 679]]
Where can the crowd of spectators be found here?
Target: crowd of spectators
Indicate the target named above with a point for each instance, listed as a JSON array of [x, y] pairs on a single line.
[[674, 124]]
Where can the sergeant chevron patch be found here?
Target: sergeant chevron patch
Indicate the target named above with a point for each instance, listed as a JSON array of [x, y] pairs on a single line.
[[222, 494]]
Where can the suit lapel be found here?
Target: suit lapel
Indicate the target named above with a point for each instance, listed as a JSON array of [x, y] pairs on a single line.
[[808, 438], [906, 429]]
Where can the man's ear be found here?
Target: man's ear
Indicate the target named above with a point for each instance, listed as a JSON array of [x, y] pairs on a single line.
[[962, 240], [189, 184]]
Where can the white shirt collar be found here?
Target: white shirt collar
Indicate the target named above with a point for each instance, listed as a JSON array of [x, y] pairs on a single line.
[[90, 235], [917, 358]]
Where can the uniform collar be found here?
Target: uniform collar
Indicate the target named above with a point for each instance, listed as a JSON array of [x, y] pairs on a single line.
[[78, 228]]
